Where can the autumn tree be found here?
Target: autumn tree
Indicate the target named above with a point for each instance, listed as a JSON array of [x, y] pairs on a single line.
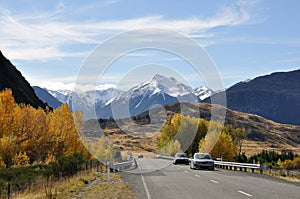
[[28, 134], [21, 159], [7, 107], [110, 152], [99, 148], [238, 136], [173, 148], [8, 148], [169, 131], [223, 147], [186, 130], [63, 131]]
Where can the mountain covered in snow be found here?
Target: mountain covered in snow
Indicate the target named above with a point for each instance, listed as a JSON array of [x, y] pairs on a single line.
[[159, 91], [203, 92], [111, 102]]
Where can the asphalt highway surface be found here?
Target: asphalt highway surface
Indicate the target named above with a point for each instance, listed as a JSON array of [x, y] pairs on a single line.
[[160, 179]]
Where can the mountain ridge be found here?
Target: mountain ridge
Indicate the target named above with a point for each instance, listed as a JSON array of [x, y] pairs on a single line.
[[11, 78], [275, 97], [160, 90], [261, 133]]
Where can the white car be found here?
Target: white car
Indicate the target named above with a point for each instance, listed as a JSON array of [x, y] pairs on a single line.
[[181, 158], [202, 160]]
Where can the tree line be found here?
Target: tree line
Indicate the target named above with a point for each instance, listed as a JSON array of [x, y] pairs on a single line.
[[30, 135], [191, 134]]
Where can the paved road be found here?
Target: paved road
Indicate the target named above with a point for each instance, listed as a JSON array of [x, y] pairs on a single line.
[[179, 181]]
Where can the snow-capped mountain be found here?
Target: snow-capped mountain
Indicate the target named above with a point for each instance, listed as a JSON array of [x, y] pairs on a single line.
[[159, 91], [111, 102], [61, 95], [203, 92], [86, 101], [99, 97]]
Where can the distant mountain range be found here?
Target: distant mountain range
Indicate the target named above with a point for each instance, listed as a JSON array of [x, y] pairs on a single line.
[[275, 97], [12, 79], [47, 97], [98, 104], [159, 91]]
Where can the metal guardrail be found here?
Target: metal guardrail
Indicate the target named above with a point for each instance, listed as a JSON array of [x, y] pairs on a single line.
[[236, 165], [124, 165], [227, 165], [164, 157]]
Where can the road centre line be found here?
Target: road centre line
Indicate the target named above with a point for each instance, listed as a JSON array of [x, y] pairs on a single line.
[[246, 194], [216, 182], [144, 183]]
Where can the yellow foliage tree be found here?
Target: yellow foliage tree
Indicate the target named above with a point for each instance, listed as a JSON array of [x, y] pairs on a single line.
[[99, 148], [290, 164], [173, 148], [21, 159], [110, 153], [223, 147], [50, 158], [8, 149], [7, 106], [38, 135], [207, 143], [62, 129], [2, 163]]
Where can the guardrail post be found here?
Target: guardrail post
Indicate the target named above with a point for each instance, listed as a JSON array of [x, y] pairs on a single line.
[[260, 169], [252, 170], [108, 171]]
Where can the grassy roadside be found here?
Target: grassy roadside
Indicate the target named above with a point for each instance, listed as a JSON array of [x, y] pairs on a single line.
[[85, 184], [283, 175]]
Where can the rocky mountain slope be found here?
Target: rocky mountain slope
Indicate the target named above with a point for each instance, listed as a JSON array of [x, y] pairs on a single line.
[[11, 78], [275, 97]]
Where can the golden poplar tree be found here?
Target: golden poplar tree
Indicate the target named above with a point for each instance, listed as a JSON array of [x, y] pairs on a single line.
[[62, 129]]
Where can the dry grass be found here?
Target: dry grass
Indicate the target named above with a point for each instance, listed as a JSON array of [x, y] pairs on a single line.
[[79, 186], [262, 134], [282, 174]]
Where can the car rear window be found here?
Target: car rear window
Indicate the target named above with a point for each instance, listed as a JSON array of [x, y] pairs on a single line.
[[202, 156], [180, 155]]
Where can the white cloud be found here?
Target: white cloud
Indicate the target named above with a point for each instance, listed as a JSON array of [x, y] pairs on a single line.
[[57, 85], [45, 36]]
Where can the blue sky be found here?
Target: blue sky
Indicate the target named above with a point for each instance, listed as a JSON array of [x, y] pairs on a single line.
[[49, 40]]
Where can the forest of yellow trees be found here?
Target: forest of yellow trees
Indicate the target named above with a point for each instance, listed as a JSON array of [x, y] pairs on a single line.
[[226, 144], [30, 135]]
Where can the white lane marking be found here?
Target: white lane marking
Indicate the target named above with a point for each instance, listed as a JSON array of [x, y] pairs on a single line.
[[146, 188], [197, 176], [246, 194], [214, 181], [186, 171], [144, 183]]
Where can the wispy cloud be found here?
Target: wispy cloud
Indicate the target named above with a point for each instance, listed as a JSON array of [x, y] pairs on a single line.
[[58, 85], [47, 36]]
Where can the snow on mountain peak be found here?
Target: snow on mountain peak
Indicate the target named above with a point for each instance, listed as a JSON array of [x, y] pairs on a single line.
[[169, 86], [203, 92]]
